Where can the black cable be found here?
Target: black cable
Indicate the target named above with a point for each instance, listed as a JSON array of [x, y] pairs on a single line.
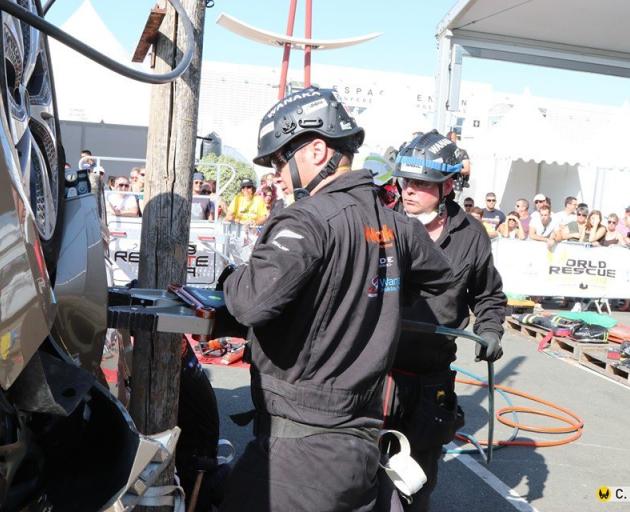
[[51, 30], [47, 6]]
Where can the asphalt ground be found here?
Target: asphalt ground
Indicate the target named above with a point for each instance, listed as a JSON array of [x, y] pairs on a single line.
[[561, 478]]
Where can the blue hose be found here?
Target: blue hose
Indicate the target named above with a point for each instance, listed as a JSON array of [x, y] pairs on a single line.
[[477, 447]]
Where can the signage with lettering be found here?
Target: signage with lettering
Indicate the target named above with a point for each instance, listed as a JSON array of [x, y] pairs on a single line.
[[567, 270]]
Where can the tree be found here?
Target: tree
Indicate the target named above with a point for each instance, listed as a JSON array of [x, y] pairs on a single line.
[[243, 170]]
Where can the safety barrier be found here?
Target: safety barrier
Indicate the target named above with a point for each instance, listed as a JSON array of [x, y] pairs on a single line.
[[531, 268]]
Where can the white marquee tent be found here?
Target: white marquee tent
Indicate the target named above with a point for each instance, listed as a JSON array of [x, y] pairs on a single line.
[[578, 35], [86, 91]]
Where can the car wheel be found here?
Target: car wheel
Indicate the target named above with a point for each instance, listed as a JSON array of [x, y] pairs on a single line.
[[27, 87]]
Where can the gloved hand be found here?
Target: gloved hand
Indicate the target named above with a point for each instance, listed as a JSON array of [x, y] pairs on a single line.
[[493, 351]]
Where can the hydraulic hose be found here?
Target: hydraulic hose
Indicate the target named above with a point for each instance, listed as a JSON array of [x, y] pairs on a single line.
[[574, 422], [51, 30]]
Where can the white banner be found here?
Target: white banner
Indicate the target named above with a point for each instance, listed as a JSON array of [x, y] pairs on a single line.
[[528, 267], [204, 263]]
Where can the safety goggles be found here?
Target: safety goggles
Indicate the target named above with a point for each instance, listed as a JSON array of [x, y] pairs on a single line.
[[283, 155], [409, 182]]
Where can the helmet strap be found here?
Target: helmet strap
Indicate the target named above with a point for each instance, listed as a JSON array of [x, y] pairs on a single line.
[[442, 202], [329, 169], [299, 192]]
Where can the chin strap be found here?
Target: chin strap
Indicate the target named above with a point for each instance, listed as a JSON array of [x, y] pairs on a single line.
[[329, 169], [442, 204]]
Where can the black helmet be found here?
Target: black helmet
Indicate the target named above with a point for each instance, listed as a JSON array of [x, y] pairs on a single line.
[[310, 110], [428, 157]]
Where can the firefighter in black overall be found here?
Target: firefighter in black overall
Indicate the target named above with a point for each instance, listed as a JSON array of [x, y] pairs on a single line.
[[421, 401], [323, 291]]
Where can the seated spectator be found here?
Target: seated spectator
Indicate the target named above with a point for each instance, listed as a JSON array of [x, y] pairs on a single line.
[[218, 201], [624, 226], [265, 181], [269, 197], [476, 212], [543, 227], [539, 200], [121, 202], [522, 208], [574, 231], [595, 229], [492, 218], [567, 215], [136, 177], [198, 181], [469, 204], [612, 236], [247, 208], [201, 207], [512, 227]]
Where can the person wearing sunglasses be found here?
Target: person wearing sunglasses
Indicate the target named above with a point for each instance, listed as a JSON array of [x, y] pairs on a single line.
[[424, 402], [247, 207], [574, 230], [492, 217], [612, 236], [512, 227], [322, 291], [469, 204], [121, 202]]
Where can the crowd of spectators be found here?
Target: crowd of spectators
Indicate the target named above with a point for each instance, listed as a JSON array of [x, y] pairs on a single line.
[[252, 206], [574, 223], [124, 198]]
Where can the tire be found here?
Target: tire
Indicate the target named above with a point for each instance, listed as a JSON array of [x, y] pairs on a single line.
[[28, 93]]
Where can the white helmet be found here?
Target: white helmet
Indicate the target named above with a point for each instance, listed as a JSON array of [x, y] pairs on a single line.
[[380, 166]]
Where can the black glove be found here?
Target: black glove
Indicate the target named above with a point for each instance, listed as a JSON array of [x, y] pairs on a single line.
[[493, 351]]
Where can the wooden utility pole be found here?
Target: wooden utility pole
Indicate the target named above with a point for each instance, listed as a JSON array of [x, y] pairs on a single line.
[[166, 218]]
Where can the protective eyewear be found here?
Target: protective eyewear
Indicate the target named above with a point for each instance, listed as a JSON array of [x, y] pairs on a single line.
[[408, 182], [539, 201], [285, 154], [468, 205], [491, 200], [581, 215], [612, 222]]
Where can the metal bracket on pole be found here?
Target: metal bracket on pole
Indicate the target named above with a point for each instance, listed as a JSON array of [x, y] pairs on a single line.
[[145, 309]]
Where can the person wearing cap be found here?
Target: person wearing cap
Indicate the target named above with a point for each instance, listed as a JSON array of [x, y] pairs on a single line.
[[420, 391], [322, 292], [539, 201], [247, 207], [202, 207]]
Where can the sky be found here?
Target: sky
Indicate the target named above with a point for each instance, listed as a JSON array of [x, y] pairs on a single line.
[[408, 43]]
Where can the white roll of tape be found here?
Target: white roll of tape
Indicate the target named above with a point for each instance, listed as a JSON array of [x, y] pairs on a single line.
[[401, 468]]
